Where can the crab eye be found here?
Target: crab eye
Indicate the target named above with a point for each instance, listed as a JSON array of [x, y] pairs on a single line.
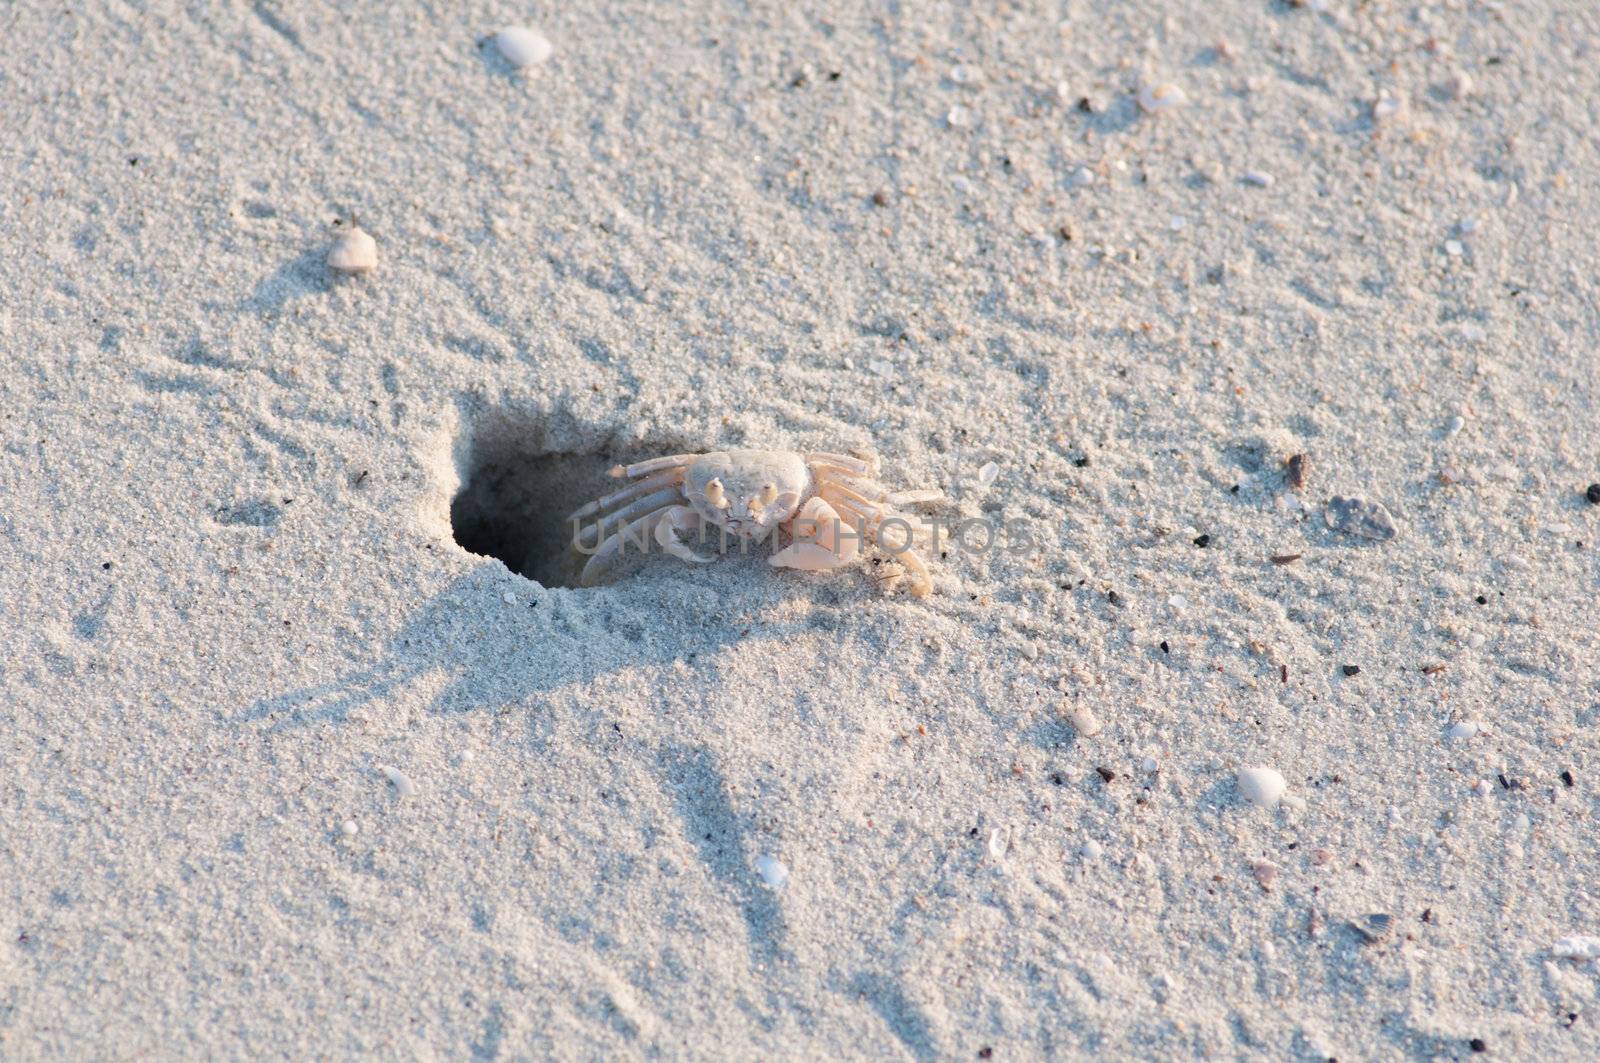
[[769, 494], [715, 495]]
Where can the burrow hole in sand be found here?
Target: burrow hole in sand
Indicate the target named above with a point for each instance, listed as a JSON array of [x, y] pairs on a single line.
[[522, 475]]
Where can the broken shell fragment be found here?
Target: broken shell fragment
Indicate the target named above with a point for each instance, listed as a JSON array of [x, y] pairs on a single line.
[[355, 252], [1156, 98]]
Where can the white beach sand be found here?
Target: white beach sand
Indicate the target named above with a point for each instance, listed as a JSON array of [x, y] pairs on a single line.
[[235, 609]]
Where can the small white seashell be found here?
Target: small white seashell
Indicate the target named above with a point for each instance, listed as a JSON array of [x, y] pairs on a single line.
[[1259, 178], [1385, 107], [403, 786], [772, 871], [1093, 850], [1577, 947], [1082, 177], [988, 473], [523, 47], [959, 117], [354, 252], [1459, 85], [1166, 97], [1463, 730], [348, 828], [997, 843], [1178, 602], [1086, 723], [1454, 248], [1261, 786]]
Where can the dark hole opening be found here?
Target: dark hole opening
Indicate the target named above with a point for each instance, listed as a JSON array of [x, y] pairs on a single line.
[[516, 496]]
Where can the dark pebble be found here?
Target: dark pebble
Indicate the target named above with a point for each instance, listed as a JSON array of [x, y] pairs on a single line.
[[1083, 462], [1202, 541], [1352, 669], [1295, 471], [1106, 774], [1593, 494], [1477, 1045], [1566, 777]]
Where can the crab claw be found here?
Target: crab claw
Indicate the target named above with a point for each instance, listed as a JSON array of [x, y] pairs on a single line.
[[679, 519], [822, 540]]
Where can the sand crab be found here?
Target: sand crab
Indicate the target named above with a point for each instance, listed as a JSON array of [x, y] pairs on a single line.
[[826, 504]]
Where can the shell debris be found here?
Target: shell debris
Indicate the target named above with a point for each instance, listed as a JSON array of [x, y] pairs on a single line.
[[403, 786], [1261, 786], [1085, 722], [354, 252], [772, 871], [523, 46], [1577, 947], [1154, 99]]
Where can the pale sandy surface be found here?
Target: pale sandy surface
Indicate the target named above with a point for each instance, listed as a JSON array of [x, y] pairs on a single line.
[[231, 593]]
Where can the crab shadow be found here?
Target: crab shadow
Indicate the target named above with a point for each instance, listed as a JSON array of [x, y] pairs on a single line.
[[497, 652]]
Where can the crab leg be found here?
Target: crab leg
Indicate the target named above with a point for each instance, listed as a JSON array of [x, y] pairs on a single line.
[[632, 491], [852, 465], [835, 487], [611, 521], [893, 498], [870, 522], [639, 468], [638, 533]]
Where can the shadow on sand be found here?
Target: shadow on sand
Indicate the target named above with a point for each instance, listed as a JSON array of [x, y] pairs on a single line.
[[497, 653]]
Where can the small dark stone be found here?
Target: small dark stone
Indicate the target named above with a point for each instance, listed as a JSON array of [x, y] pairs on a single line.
[[1164, 647], [106, 565], [1202, 541], [880, 198], [1482, 600], [1057, 778], [1111, 596], [1352, 669], [1566, 777], [1593, 494], [1106, 774], [985, 1052], [1295, 471], [1477, 1045], [1083, 462]]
